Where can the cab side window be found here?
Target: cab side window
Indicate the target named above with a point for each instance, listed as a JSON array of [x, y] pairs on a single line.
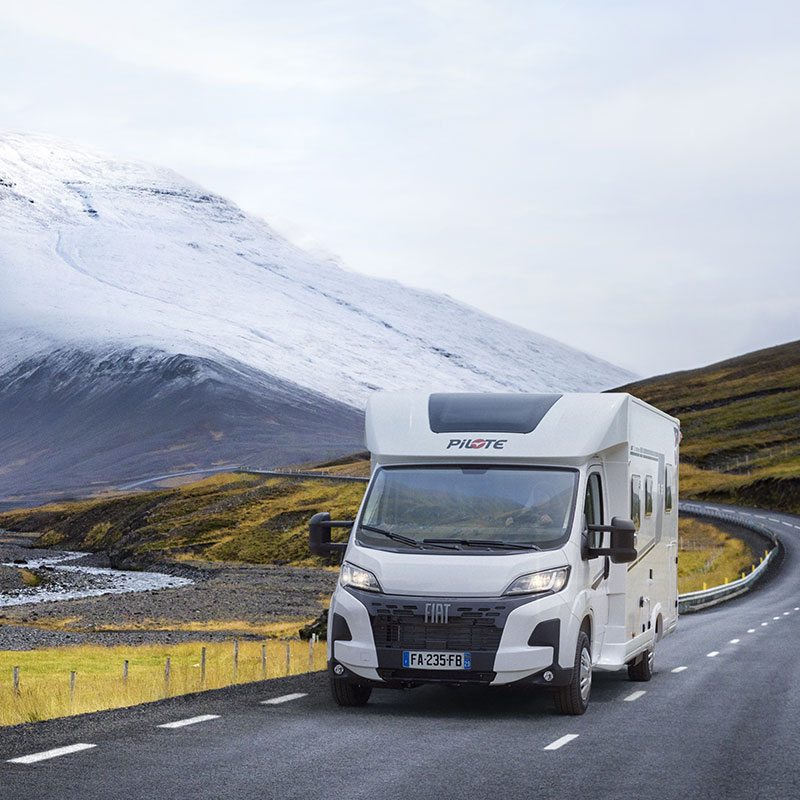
[[593, 508], [636, 500]]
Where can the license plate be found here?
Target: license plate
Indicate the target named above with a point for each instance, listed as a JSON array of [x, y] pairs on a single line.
[[427, 659]]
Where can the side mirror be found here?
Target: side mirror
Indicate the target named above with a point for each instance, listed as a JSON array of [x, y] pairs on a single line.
[[622, 550], [319, 534]]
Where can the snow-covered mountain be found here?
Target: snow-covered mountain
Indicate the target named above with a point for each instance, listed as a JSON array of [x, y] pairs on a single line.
[[110, 269]]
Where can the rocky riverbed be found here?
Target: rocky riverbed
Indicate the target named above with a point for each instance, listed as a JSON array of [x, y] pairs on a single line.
[[211, 594]]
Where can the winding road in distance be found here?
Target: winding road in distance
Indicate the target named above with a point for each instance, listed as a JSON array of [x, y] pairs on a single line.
[[720, 719]]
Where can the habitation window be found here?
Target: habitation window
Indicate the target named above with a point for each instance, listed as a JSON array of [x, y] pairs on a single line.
[[636, 502], [668, 489], [648, 495]]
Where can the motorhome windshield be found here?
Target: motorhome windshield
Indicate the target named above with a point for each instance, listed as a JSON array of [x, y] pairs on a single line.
[[504, 505]]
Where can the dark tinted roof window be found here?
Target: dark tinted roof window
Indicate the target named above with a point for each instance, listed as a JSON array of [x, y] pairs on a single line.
[[488, 413]]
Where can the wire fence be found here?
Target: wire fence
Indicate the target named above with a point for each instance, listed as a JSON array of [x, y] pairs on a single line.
[[42, 686]]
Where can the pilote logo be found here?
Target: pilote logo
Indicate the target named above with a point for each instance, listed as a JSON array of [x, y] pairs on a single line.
[[477, 444]]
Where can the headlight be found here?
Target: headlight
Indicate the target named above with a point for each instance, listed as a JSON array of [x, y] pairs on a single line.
[[358, 578], [549, 580]]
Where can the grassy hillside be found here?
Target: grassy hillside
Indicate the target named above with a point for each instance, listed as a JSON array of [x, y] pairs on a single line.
[[227, 517], [741, 427]]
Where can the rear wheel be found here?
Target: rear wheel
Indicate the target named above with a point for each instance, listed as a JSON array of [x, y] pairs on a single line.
[[347, 693], [573, 699], [643, 669]]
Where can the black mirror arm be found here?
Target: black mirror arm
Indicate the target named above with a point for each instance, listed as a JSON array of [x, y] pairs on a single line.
[[336, 547]]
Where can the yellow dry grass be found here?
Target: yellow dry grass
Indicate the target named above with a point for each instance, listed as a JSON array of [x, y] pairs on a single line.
[[44, 675], [708, 556]]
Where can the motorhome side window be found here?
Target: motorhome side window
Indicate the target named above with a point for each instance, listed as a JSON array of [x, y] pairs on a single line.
[[648, 495], [668, 490], [593, 508], [636, 502]]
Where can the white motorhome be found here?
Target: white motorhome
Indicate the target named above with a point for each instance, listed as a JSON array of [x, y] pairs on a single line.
[[506, 538]]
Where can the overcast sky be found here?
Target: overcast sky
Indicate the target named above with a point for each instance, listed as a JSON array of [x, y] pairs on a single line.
[[621, 176]]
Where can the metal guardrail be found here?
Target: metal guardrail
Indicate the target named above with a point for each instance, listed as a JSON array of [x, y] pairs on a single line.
[[290, 473], [695, 601]]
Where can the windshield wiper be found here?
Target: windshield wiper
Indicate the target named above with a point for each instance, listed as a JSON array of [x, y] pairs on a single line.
[[399, 537], [483, 543]]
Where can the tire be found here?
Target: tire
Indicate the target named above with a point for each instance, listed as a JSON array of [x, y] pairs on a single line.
[[643, 670], [573, 699], [347, 693]]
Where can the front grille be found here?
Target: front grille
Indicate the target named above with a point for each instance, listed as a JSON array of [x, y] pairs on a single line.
[[475, 633]]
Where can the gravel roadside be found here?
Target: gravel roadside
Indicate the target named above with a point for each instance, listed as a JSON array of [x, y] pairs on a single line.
[[221, 593]]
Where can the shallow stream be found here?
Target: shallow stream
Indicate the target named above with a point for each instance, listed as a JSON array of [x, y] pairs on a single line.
[[64, 578]]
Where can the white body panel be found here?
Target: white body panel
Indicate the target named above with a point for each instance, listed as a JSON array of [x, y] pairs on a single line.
[[615, 435]]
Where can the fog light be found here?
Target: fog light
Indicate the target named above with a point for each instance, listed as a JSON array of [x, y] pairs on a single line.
[[548, 676], [338, 670]]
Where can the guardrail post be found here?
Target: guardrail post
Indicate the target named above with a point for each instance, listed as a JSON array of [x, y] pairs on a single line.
[[263, 662], [235, 660], [288, 658], [15, 680], [311, 652], [71, 689], [203, 668], [125, 671]]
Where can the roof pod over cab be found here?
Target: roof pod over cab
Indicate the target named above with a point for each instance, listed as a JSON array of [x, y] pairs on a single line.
[[442, 427]]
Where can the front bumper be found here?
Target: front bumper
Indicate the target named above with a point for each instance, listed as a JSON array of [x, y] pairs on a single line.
[[510, 639]]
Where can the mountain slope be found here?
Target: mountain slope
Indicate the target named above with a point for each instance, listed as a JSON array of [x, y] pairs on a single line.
[[741, 426], [109, 261], [78, 420]]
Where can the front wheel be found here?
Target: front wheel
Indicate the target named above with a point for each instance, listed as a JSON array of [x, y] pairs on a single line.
[[347, 693], [573, 698]]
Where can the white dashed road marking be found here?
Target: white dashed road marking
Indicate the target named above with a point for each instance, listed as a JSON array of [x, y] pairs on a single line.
[[764, 624], [58, 751], [635, 696], [751, 630], [776, 618], [680, 669], [274, 701], [181, 723], [562, 741], [712, 654], [735, 641], [789, 525], [772, 519], [785, 613]]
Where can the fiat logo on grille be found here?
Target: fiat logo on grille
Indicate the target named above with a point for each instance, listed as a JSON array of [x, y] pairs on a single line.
[[437, 612]]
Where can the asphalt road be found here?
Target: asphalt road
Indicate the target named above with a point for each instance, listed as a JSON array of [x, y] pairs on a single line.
[[718, 720]]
